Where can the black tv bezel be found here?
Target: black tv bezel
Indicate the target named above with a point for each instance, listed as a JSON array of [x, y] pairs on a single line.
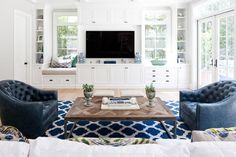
[[109, 31]]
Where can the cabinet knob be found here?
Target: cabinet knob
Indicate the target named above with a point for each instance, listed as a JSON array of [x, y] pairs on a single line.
[[125, 21], [93, 21], [153, 75], [67, 80], [92, 67], [167, 81], [167, 71], [153, 70], [153, 80], [126, 68], [50, 80], [167, 75]]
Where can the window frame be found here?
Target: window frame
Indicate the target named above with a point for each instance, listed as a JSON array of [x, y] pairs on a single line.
[[167, 48], [55, 24]]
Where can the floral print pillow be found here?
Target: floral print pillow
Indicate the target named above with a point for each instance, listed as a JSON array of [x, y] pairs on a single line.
[[223, 134], [113, 141], [9, 133]]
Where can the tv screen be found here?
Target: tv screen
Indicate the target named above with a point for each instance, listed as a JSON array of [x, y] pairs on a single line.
[[109, 44]]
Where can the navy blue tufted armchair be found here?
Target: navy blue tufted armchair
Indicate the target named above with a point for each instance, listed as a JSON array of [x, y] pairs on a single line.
[[213, 106], [29, 109]]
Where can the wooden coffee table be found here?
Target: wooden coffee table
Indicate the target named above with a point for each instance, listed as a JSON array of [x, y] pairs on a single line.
[[80, 112]]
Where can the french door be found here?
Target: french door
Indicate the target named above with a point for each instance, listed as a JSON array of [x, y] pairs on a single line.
[[216, 49]]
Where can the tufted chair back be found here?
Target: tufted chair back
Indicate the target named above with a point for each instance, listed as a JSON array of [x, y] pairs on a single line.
[[19, 90], [216, 92]]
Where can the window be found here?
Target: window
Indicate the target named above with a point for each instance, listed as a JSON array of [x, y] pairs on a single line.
[[65, 34], [213, 7], [157, 34]]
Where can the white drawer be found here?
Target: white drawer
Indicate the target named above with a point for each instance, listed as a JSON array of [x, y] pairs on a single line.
[[68, 80], [48, 79]]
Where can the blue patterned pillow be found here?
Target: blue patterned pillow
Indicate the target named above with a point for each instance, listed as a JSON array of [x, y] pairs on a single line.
[[9, 133]]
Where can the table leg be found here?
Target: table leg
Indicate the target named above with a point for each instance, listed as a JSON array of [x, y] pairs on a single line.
[[168, 132], [175, 126], [65, 129], [71, 130]]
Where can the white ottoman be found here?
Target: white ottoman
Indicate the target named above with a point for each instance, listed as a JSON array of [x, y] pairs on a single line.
[[107, 93], [129, 93]]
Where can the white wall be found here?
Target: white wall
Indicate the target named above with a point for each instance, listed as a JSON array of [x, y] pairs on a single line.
[[6, 34], [48, 26]]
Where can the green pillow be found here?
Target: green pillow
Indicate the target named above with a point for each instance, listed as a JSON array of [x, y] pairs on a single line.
[[74, 61]]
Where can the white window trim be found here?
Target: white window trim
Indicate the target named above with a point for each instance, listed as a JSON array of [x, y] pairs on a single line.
[[55, 15]]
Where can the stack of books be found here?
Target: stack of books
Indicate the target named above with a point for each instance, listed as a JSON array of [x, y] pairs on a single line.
[[119, 104]]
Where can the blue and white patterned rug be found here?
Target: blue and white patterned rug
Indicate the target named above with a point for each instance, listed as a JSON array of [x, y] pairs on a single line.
[[143, 129]]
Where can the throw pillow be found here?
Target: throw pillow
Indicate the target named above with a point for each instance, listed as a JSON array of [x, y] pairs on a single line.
[[74, 61], [113, 141], [9, 133], [55, 64], [215, 134]]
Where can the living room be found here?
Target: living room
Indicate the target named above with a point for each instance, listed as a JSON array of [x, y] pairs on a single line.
[[114, 77]]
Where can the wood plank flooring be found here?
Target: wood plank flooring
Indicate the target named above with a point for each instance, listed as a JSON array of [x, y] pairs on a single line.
[[72, 94]]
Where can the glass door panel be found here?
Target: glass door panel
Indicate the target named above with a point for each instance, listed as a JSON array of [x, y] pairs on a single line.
[[206, 70], [226, 47]]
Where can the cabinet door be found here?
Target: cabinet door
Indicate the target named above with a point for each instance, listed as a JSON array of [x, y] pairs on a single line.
[[101, 75], [37, 76], [118, 75], [134, 74], [99, 16], [132, 16], [84, 75]]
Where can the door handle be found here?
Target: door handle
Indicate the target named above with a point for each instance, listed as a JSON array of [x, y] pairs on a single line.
[[216, 63]]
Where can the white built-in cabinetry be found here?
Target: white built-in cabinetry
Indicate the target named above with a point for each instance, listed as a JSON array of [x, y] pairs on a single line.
[[109, 16], [59, 81], [161, 76], [133, 75], [104, 75]]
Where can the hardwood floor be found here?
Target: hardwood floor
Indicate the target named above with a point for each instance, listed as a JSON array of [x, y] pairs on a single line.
[[72, 94]]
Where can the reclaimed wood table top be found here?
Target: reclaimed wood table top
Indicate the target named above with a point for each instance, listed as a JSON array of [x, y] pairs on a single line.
[[80, 112]]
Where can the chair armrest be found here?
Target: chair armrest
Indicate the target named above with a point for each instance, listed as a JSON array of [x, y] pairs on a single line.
[[17, 112], [216, 115], [188, 96]]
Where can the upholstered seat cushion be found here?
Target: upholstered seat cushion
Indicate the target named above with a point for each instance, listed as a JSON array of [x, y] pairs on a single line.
[[59, 71]]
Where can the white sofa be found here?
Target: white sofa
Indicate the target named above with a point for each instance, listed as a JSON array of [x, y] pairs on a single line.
[[52, 147]]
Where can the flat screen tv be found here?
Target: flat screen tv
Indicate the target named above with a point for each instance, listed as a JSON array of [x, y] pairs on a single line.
[[110, 44]]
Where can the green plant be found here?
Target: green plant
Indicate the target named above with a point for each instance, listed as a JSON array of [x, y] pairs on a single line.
[[87, 88], [150, 88]]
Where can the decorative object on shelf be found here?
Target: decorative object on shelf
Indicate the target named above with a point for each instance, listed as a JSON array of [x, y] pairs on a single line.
[[88, 94], [40, 38], [150, 93], [158, 62], [81, 58], [138, 58]]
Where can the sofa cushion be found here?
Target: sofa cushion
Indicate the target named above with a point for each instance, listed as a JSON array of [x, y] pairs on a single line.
[[59, 71], [48, 147]]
